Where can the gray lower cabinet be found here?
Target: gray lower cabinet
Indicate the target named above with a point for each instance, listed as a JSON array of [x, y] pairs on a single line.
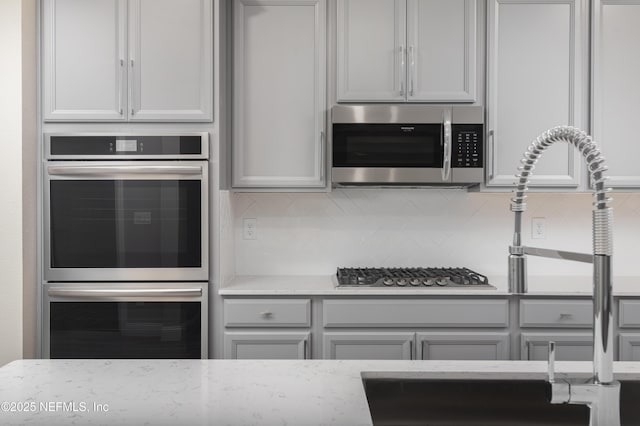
[[368, 345], [254, 328], [462, 345], [570, 346], [629, 323], [629, 347], [558, 320], [266, 345], [443, 328]]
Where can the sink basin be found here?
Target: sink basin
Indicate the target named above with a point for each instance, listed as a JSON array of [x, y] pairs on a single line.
[[401, 402]]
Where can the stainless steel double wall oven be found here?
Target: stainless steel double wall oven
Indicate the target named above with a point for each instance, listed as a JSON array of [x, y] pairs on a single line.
[[126, 246]]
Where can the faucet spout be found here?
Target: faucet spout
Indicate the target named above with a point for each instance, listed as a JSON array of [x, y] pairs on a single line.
[[602, 220]]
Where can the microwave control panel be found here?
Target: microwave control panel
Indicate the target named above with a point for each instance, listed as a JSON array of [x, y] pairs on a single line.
[[467, 146]]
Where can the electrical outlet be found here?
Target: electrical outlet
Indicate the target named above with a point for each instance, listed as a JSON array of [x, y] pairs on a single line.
[[538, 228], [249, 229]]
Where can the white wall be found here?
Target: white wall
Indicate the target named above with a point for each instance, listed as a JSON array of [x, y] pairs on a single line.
[[301, 234], [10, 181]]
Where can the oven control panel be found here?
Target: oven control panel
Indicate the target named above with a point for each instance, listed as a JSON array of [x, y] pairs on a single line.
[[105, 146], [467, 150]]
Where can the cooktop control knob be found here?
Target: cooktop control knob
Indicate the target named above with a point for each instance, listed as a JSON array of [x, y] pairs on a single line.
[[414, 281], [387, 281], [402, 282], [442, 281]]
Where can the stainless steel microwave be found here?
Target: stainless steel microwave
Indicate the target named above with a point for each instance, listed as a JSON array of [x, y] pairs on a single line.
[[407, 145]]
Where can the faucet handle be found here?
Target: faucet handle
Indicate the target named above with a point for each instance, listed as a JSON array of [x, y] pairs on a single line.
[[552, 361]]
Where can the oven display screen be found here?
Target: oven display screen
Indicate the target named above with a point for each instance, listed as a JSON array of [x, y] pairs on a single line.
[[126, 145]]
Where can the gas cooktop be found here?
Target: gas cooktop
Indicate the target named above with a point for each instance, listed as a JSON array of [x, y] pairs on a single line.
[[411, 278]]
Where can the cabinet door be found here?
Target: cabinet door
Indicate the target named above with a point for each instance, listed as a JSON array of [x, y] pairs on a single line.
[[457, 346], [279, 93], [170, 60], [441, 55], [569, 346], [616, 87], [371, 64], [368, 345], [266, 345], [629, 348], [536, 80], [83, 60]]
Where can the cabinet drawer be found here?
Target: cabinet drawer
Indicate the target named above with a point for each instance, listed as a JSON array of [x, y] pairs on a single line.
[[267, 313], [415, 313], [556, 313], [629, 313]]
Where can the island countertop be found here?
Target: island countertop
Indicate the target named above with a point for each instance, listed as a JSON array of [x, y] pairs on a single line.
[[228, 392]]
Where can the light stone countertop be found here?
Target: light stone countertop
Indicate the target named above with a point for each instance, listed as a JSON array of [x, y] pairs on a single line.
[[228, 392], [324, 285]]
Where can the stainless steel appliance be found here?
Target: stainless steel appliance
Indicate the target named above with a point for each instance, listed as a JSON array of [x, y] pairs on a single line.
[[407, 145], [125, 320], [411, 278], [126, 246], [126, 207]]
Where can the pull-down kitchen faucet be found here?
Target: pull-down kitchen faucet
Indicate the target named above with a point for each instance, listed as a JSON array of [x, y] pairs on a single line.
[[601, 393]]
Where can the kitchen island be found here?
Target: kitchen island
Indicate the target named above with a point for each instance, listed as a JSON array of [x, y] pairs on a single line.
[[229, 392]]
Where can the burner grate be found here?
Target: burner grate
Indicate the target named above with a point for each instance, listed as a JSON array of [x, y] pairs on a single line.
[[411, 277]]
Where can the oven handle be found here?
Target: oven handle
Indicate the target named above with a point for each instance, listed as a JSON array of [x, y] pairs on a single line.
[[107, 294], [446, 162], [119, 170]]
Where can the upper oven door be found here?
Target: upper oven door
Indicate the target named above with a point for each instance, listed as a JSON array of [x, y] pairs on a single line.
[[126, 220]]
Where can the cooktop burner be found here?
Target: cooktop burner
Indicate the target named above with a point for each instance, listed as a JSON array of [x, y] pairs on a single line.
[[411, 278]]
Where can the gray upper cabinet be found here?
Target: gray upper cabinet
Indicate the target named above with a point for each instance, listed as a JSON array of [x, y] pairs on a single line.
[[170, 60], [406, 50], [127, 60], [537, 79], [616, 87], [441, 56], [279, 86], [371, 50], [84, 46]]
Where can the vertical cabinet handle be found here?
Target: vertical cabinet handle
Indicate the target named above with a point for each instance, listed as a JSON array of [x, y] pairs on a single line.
[[402, 74], [411, 357], [120, 111], [131, 86], [306, 353], [490, 158], [323, 155], [412, 63]]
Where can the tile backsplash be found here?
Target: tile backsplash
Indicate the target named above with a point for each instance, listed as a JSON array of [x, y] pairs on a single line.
[[314, 233]]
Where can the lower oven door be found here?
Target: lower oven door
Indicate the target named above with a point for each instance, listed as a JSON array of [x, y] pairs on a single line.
[[125, 320]]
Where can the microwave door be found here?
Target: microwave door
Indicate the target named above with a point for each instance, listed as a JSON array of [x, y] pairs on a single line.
[[387, 153]]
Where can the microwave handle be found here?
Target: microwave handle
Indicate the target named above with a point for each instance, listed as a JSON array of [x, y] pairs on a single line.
[[446, 161]]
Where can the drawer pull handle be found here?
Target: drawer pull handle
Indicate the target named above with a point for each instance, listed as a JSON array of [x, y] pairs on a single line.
[[266, 314], [565, 316]]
